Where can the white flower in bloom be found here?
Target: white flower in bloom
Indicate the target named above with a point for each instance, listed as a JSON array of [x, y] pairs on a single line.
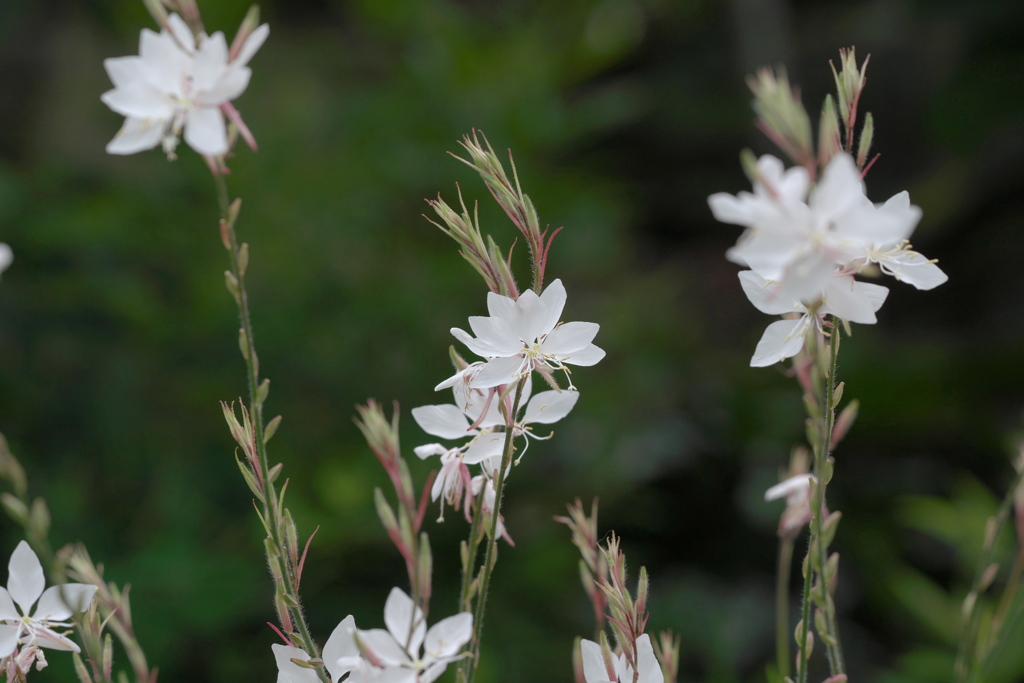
[[595, 669], [56, 605], [178, 85], [842, 296], [801, 244], [397, 650], [340, 656], [524, 335]]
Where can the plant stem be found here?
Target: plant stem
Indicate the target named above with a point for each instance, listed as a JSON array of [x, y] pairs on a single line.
[[492, 540], [782, 605], [271, 507]]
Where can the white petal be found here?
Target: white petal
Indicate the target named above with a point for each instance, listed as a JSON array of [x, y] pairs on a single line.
[[26, 580], [553, 298], [484, 447], [569, 338], [425, 451], [232, 83], [913, 268], [549, 407], [288, 671], [8, 612], [446, 421], [839, 190], [477, 346], [497, 334], [252, 43], [788, 486], [854, 301], [497, 371], [729, 209], [8, 639], [782, 339], [499, 306], [205, 131], [124, 71], [210, 62], [383, 646], [446, 637], [139, 100], [594, 670], [48, 638], [58, 603], [764, 295], [137, 135], [166, 65], [182, 32], [529, 317], [341, 654], [405, 621], [590, 355], [647, 665]]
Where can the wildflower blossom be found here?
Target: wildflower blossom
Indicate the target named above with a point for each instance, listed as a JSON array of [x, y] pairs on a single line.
[[55, 605], [797, 492], [179, 84], [842, 296], [596, 669], [801, 243], [523, 335], [400, 645]]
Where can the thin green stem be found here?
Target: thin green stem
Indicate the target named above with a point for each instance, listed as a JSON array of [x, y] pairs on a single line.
[[782, 605], [492, 540], [271, 509], [472, 548]]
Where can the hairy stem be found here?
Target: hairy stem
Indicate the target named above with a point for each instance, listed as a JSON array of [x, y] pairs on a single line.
[[782, 606]]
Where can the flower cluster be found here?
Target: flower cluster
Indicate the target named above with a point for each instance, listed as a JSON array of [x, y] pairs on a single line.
[[406, 652], [803, 246], [181, 83], [519, 337], [31, 629]]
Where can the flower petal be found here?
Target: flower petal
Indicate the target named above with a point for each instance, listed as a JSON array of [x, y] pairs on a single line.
[[497, 371], [483, 447], [647, 666], [854, 301], [181, 32], [383, 646], [137, 135], [549, 407], [553, 298], [288, 671], [446, 637], [405, 621], [8, 612], [529, 317], [58, 603], [446, 421], [499, 306], [8, 639], [568, 338], [139, 100], [497, 334], [764, 295], [205, 131], [783, 339], [252, 43], [341, 654], [594, 670], [26, 580], [912, 268], [210, 62], [590, 355], [788, 486]]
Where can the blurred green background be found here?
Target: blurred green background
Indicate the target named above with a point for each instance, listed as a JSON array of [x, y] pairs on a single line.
[[117, 338]]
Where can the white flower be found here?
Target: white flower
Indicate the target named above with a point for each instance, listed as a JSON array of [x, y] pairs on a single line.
[[595, 669], [56, 605], [842, 296], [176, 85], [399, 646], [524, 335], [800, 244]]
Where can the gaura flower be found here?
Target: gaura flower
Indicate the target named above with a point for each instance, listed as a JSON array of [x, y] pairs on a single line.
[[179, 84], [842, 296], [800, 244], [399, 647], [523, 335], [56, 605], [797, 492], [340, 656], [597, 670]]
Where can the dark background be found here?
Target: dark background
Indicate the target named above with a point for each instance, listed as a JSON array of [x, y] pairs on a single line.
[[117, 338]]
